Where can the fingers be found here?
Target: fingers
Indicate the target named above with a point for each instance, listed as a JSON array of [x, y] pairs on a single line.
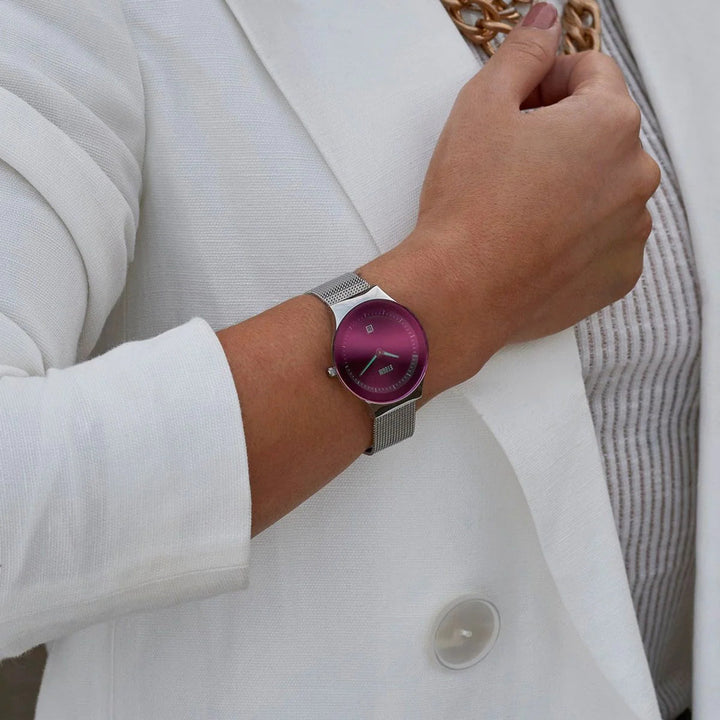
[[553, 87], [583, 72], [525, 57], [593, 70]]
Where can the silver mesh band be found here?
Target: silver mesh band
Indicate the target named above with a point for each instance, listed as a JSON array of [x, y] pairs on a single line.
[[392, 426], [341, 288]]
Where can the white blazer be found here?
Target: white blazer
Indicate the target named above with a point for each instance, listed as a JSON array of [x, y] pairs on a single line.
[[169, 171]]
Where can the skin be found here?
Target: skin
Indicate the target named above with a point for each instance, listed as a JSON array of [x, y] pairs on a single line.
[[570, 243]]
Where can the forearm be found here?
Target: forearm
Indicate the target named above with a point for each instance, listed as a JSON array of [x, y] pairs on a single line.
[[303, 428], [479, 275]]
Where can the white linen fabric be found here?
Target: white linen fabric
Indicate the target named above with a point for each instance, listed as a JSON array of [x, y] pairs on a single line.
[[92, 453], [248, 159]]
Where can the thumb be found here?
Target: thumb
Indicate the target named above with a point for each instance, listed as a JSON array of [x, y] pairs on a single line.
[[527, 54]]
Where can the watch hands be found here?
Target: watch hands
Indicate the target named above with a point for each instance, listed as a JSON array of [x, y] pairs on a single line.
[[375, 357], [372, 360]]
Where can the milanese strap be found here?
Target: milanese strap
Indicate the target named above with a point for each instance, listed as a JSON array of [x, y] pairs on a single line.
[[393, 423], [393, 426], [341, 288]]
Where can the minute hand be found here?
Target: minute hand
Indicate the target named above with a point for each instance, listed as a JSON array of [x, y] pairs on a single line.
[[372, 360]]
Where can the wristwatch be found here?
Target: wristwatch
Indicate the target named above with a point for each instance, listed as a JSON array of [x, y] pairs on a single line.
[[380, 354]]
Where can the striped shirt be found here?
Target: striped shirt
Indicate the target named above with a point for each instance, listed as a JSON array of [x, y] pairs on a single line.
[[640, 361], [641, 364]]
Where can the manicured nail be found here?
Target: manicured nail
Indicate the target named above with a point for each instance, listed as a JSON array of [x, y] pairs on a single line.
[[542, 15]]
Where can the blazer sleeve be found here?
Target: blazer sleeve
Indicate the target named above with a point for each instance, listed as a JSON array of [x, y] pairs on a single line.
[[123, 478]]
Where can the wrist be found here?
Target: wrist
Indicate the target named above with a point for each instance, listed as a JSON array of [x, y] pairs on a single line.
[[424, 285]]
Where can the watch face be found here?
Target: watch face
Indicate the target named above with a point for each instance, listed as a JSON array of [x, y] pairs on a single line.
[[380, 351]]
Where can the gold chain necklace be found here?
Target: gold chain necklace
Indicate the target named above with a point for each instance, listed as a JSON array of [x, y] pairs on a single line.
[[580, 22]]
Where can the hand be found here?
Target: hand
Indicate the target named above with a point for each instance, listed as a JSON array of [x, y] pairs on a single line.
[[533, 220]]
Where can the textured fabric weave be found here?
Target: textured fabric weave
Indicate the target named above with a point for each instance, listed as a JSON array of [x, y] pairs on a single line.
[[641, 363], [271, 159], [640, 359], [90, 450]]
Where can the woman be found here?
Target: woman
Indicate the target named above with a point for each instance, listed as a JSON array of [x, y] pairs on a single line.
[[240, 158]]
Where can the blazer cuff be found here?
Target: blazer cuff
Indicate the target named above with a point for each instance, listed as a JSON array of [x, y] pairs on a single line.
[[136, 494]]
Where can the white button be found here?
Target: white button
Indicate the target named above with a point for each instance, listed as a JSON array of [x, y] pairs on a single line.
[[465, 632]]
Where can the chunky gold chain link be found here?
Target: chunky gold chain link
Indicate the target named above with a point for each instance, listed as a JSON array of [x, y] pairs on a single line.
[[580, 22]]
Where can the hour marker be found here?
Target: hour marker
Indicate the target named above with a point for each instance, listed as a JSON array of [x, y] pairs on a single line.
[[369, 329]]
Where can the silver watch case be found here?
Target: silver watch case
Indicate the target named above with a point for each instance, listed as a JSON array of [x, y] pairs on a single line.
[[340, 310]]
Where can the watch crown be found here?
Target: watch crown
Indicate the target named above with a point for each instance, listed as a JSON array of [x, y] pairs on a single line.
[[332, 372]]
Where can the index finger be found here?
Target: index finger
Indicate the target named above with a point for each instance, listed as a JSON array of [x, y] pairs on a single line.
[[577, 74]]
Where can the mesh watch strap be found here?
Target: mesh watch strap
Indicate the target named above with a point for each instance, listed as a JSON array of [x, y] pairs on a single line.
[[391, 424], [341, 288]]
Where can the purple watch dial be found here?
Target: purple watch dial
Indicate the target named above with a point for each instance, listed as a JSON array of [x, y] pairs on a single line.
[[380, 351]]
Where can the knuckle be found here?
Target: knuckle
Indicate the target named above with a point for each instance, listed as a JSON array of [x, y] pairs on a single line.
[[592, 61], [648, 180], [610, 68], [601, 65], [645, 225], [617, 112], [632, 116], [622, 113], [637, 271], [654, 175], [612, 114], [532, 49], [632, 275], [638, 194]]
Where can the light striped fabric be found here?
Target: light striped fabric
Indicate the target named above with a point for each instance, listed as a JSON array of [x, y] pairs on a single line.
[[641, 365], [640, 360]]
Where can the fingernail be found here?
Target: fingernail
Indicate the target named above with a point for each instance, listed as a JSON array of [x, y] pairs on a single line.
[[542, 15]]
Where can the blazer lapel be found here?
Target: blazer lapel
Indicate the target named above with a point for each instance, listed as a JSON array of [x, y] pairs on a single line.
[[678, 54], [373, 85]]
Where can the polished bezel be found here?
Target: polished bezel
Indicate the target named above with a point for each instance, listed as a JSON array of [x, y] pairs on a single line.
[[404, 354]]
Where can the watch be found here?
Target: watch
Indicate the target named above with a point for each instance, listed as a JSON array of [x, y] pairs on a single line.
[[380, 354]]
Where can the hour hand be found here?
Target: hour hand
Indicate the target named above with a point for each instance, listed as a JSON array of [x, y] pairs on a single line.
[[389, 354]]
